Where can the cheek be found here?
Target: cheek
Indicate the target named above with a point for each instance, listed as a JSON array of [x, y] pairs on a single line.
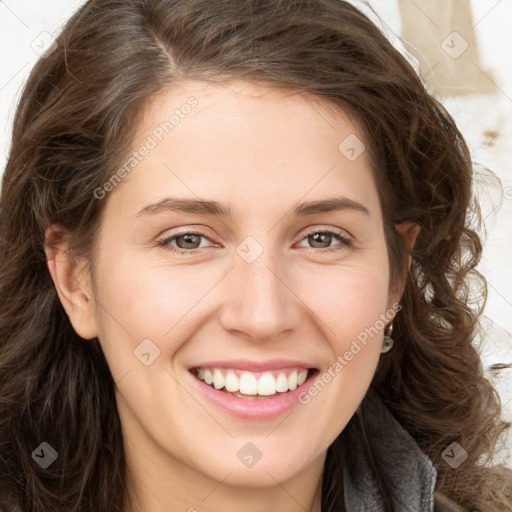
[[352, 307], [148, 299], [351, 302], [348, 299]]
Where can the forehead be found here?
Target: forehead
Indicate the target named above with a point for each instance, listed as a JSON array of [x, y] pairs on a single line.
[[242, 139]]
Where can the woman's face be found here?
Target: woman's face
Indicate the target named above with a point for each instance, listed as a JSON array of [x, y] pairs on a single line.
[[247, 243]]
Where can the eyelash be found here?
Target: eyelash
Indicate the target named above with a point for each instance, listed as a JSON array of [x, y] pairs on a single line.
[[345, 243]]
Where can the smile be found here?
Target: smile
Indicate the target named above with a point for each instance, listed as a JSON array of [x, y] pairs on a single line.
[[252, 384], [252, 392]]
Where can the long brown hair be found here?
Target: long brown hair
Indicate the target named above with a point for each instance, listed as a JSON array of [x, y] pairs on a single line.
[[73, 126]]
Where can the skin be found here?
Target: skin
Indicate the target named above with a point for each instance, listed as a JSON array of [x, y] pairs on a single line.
[[260, 150]]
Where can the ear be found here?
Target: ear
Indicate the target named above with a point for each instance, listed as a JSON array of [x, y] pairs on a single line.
[[71, 281], [409, 231]]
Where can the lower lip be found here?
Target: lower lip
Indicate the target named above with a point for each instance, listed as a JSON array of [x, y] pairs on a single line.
[[264, 409]]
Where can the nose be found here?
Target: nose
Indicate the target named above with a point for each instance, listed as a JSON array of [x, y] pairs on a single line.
[[259, 299]]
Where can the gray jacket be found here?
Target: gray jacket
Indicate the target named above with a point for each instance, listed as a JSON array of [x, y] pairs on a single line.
[[413, 474]]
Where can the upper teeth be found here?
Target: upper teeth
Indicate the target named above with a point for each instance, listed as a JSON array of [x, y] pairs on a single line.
[[250, 384]]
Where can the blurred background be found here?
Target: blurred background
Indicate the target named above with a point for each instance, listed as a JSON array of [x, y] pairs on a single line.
[[461, 49]]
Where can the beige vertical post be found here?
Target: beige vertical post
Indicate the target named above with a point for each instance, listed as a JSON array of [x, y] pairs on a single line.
[[441, 35]]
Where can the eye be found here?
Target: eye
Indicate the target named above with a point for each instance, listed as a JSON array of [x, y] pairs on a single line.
[[325, 237], [186, 243]]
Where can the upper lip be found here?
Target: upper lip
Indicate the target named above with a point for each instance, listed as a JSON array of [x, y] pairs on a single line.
[[254, 366]]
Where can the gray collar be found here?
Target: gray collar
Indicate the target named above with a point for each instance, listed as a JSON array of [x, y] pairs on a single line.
[[412, 473]]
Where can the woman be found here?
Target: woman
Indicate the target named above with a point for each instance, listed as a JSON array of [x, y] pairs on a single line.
[[235, 265]]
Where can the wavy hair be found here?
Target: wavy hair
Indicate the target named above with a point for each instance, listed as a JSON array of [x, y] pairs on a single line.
[[72, 129]]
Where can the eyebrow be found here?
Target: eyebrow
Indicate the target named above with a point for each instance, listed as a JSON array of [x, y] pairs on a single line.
[[202, 207]]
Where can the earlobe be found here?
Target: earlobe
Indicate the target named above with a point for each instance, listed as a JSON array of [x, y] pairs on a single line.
[[71, 281]]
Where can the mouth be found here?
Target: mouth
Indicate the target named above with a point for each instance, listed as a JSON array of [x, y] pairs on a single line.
[[249, 385]]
